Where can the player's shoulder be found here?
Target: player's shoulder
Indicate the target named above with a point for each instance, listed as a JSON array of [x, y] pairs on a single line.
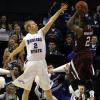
[[40, 32], [28, 35]]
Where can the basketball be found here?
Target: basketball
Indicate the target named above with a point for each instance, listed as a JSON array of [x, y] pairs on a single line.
[[81, 6]]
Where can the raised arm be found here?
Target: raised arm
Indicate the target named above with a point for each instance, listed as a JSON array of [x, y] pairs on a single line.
[[17, 50], [72, 26], [46, 28]]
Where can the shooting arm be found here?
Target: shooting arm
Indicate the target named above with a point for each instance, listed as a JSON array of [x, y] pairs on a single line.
[[73, 27]]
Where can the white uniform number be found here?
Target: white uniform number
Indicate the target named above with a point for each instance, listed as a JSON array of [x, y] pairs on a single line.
[[87, 43]]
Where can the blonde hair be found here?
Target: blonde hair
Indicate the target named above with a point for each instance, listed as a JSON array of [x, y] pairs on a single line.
[[27, 24]]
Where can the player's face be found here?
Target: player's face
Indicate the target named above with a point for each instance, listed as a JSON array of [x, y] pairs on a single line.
[[33, 26]]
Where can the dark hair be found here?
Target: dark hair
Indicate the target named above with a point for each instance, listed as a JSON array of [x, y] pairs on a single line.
[[52, 40], [82, 82]]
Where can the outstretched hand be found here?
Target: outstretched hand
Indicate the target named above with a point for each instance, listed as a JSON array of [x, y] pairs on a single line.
[[64, 6]]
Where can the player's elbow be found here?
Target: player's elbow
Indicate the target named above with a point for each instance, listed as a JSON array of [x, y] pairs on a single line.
[[46, 28]]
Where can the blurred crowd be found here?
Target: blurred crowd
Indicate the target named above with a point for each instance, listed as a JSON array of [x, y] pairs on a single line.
[[59, 42]]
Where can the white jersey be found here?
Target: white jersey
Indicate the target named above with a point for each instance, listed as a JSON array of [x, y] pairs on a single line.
[[36, 47]]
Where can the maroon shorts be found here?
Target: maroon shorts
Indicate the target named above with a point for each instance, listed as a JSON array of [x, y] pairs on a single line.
[[82, 66]]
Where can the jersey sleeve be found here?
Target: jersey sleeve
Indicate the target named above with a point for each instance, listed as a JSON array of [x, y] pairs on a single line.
[[41, 32]]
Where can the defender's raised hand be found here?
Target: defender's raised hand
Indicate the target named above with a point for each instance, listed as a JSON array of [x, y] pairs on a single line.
[[64, 6], [46, 28]]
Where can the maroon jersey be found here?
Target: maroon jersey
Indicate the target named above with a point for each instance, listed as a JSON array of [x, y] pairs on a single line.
[[82, 44], [81, 66]]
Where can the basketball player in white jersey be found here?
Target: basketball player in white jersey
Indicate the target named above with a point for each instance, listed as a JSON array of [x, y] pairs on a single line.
[[34, 42]]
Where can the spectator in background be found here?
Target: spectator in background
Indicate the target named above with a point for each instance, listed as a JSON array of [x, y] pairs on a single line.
[[96, 22], [93, 44], [22, 54], [14, 37], [53, 55], [58, 84], [93, 47], [97, 15], [97, 60], [10, 93], [96, 80], [52, 48], [11, 46], [3, 23], [61, 22], [7, 65], [17, 32], [82, 93], [67, 48], [16, 70], [55, 58], [54, 33], [10, 28]]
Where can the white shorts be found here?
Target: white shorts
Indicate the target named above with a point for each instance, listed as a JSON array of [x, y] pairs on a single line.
[[33, 68]]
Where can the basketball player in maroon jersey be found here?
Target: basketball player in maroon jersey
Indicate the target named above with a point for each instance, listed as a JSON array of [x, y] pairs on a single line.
[[80, 67], [82, 62]]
